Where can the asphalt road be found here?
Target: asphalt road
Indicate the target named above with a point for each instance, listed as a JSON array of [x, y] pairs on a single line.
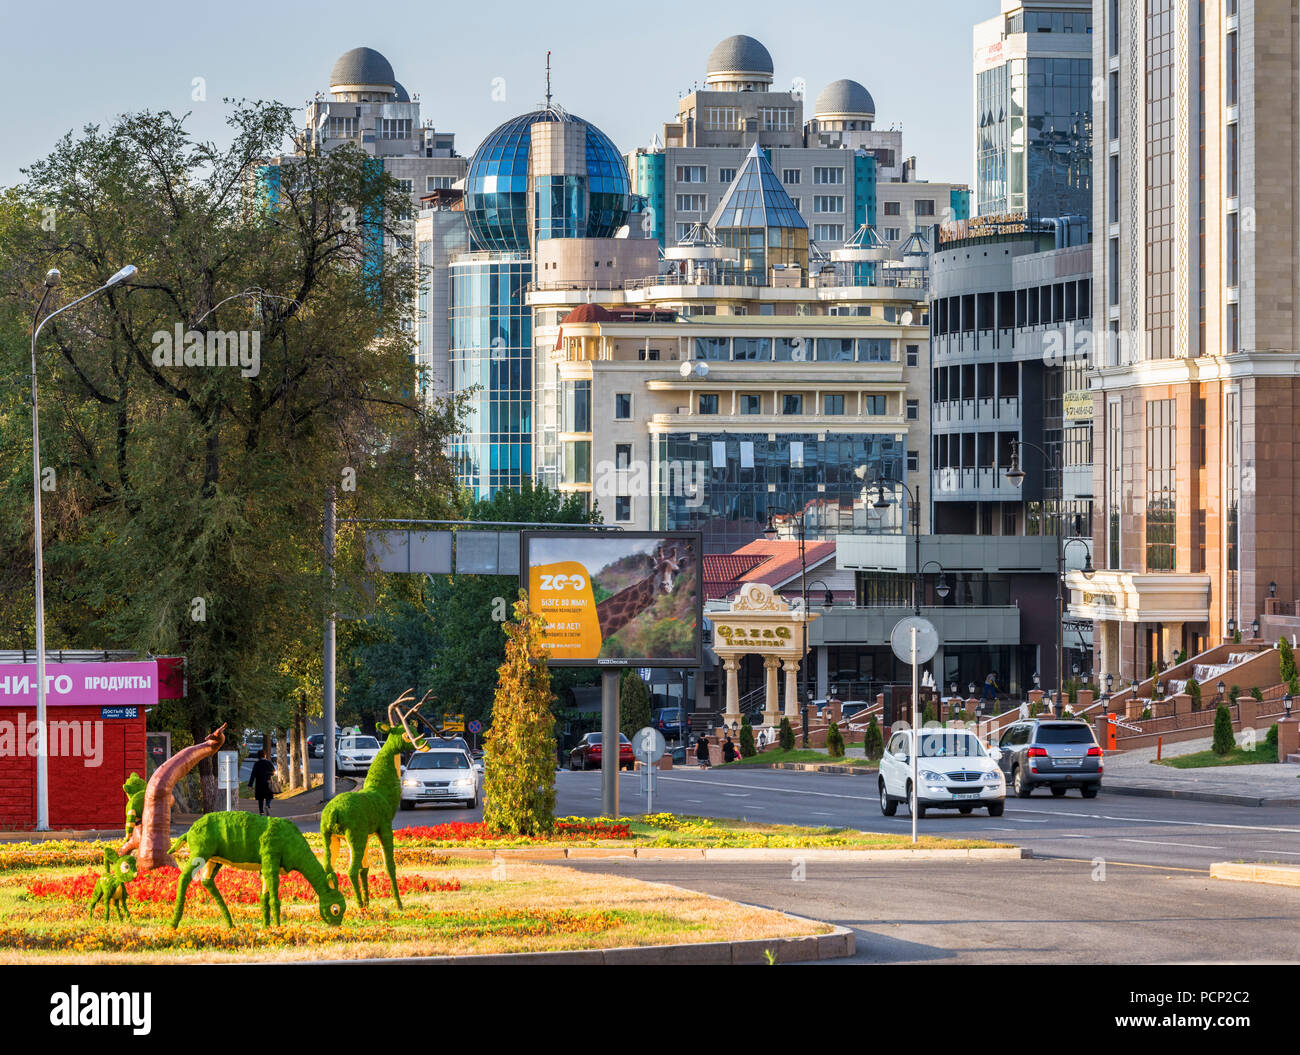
[[1031, 911], [1118, 828]]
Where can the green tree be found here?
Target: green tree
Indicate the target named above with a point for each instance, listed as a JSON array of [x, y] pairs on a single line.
[[519, 750], [1223, 738], [873, 743], [1286, 659], [633, 703], [1193, 690], [186, 516], [834, 741], [747, 746], [786, 735]]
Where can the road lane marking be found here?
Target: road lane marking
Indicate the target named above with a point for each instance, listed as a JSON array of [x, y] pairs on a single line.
[[772, 790], [1159, 842], [1286, 853], [1155, 820], [736, 794]]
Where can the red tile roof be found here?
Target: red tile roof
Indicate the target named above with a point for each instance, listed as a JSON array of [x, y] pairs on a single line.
[[772, 562]]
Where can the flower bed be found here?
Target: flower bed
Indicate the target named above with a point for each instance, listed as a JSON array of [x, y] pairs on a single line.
[[566, 829]]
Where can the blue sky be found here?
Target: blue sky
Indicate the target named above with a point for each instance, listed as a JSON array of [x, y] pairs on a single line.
[[621, 66]]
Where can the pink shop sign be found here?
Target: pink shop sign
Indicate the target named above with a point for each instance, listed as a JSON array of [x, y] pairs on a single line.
[[81, 684]]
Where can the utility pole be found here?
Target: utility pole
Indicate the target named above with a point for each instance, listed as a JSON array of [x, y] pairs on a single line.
[[327, 658]]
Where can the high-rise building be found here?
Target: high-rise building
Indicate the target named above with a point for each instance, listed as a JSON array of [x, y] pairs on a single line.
[[1197, 378], [840, 170], [1033, 109]]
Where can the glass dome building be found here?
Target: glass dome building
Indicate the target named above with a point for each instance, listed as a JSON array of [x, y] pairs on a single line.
[[505, 214]]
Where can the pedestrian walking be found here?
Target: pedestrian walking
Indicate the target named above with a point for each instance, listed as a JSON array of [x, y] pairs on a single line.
[[991, 689], [260, 781], [702, 752], [1024, 710], [728, 750]]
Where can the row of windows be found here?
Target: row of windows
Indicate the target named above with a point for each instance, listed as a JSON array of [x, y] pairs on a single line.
[[793, 403], [827, 175], [801, 350]]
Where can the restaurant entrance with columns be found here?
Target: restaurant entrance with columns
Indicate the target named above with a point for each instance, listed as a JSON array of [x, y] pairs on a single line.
[[760, 622]]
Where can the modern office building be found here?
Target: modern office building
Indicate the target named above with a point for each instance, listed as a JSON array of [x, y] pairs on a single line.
[[1197, 381], [1033, 109], [840, 170]]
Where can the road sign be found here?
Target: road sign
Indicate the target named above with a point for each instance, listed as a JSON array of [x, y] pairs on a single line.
[[927, 639], [453, 723], [228, 773], [475, 727], [648, 745]]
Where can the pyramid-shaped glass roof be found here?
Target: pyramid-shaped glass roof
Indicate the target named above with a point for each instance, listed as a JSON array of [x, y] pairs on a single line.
[[756, 198]]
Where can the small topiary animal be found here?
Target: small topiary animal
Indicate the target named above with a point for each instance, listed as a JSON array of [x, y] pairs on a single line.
[[111, 886]]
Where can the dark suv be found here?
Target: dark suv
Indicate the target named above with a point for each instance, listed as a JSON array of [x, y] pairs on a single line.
[[671, 721], [1058, 754]]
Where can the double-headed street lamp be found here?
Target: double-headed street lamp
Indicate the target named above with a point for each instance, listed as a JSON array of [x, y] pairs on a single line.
[[1017, 476], [800, 519], [52, 278], [914, 513]]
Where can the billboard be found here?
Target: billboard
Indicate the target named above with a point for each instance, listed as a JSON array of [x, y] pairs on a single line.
[[616, 598]]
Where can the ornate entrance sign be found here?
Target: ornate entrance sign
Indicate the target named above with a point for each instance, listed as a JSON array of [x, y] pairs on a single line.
[[761, 622]]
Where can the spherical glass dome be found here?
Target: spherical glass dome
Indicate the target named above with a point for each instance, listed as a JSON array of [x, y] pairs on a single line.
[[496, 188]]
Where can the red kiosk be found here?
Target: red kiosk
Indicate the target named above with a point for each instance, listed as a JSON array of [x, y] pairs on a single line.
[[95, 740]]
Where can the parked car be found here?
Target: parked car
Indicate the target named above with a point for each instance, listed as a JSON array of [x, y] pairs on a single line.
[[954, 771], [1057, 753], [587, 754], [440, 775], [671, 721], [437, 743], [355, 753], [851, 707]]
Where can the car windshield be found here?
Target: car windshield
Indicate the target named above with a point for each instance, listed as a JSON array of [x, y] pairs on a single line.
[[1064, 734], [360, 743], [950, 745], [438, 760]]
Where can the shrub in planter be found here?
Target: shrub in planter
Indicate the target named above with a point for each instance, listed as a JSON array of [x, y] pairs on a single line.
[[1223, 738], [786, 735], [834, 741]]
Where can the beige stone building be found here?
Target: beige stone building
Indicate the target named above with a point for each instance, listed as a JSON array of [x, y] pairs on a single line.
[[1196, 380]]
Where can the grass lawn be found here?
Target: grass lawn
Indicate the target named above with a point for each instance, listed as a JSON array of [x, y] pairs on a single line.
[[1236, 757], [798, 755]]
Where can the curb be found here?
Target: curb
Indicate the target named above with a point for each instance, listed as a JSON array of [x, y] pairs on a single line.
[[1275, 875], [1222, 798], [839, 943], [814, 767], [757, 854]]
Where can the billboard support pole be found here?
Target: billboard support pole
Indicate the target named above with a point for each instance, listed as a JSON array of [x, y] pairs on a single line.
[[608, 736]]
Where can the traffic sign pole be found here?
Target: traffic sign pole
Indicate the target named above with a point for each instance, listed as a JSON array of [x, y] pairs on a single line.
[[916, 730]]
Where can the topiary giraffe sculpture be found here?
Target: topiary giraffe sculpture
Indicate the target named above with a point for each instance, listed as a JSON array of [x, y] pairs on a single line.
[[252, 842], [617, 610], [357, 815]]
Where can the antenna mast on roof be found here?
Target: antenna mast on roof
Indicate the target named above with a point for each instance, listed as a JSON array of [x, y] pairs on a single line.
[[548, 80]]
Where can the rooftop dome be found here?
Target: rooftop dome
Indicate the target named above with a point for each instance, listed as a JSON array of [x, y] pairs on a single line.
[[362, 66], [740, 54], [845, 97], [401, 95], [497, 188]]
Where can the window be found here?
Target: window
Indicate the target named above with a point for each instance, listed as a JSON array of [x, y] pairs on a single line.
[[874, 405], [692, 202], [893, 234], [913, 355], [776, 118], [1233, 250], [395, 128], [343, 128], [1233, 151], [913, 461], [622, 456], [825, 174], [792, 404], [684, 231], [924, 207], [835, 349], [1112, 189], [913, 410], [1230, 71], [752, 349], [833, 404], [721, 118], [798, 204], [893, 208], [622, 508], [1161, 497], [691, 174], [790, 177], [622, 406], [1112, 105], [726, 175], [793, 350], [715, 349], [828, 232], [828, 203], [751, 404], [1234, 329], [432, 183], [708, 403], [875, 350]]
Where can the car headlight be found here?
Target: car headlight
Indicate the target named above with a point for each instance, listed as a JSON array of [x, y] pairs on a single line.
[[933, 777], [993, 774], [410, 783]]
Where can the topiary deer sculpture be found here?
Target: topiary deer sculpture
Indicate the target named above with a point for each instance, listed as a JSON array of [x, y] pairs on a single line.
[[355, 816]]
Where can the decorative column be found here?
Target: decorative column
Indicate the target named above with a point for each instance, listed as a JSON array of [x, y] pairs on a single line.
[[772, 697], [731, 664], [791, 689]]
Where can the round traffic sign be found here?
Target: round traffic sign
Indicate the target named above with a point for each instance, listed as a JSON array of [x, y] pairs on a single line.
[[927, 639], [648, 745], [475, 726]]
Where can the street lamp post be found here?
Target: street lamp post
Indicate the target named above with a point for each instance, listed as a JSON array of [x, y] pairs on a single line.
[[1016, 476], [52, 278]]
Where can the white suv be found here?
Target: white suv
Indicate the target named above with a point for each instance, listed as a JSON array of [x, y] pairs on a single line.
[[955, 773]]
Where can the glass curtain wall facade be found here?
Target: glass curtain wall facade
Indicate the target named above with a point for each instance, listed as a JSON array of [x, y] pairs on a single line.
[[492, 363]]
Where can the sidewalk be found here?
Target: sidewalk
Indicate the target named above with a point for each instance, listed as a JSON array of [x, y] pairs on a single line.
[[1135, 773]]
